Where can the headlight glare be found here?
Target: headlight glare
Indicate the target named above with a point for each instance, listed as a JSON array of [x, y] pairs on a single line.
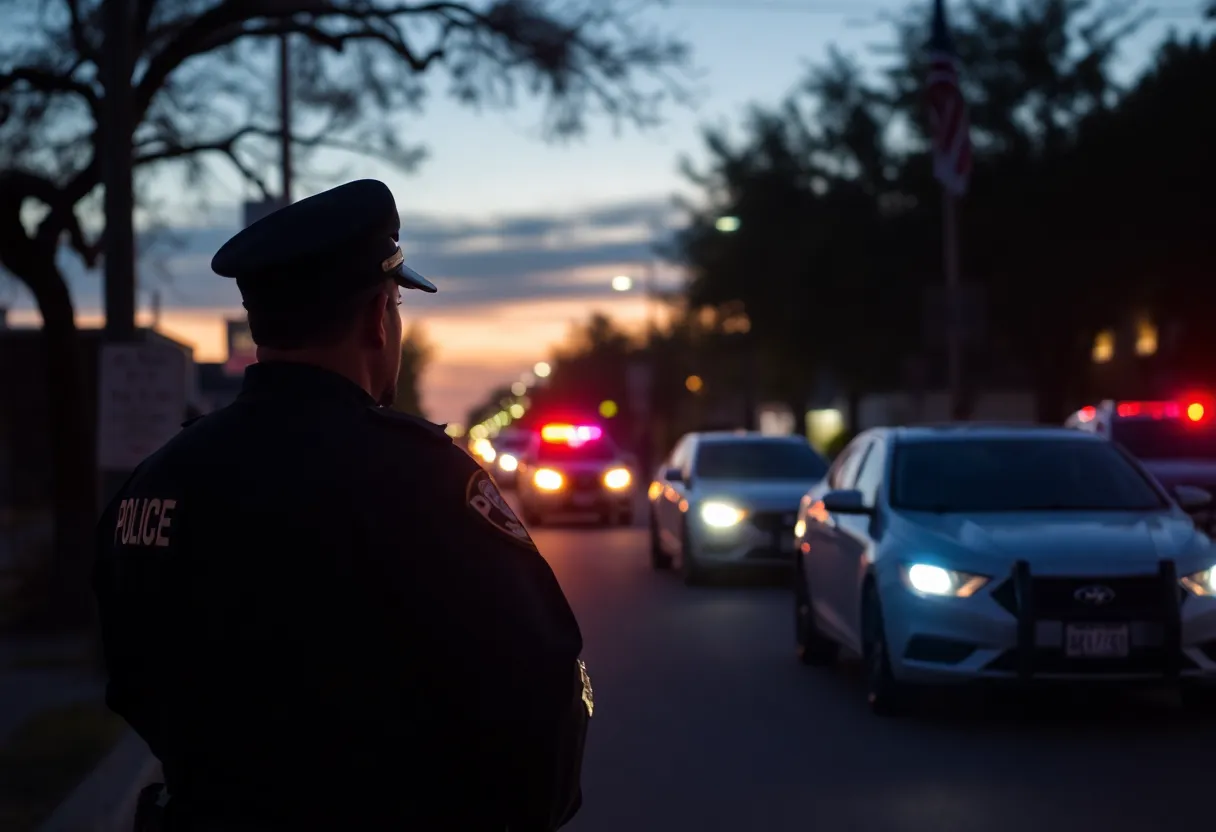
[[507, 462], [721, 515], [1201, 583], [617, 478], [546, 479], [936, 581]]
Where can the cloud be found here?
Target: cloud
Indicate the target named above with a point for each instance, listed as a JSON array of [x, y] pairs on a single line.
[[508, 289], [515, 258]]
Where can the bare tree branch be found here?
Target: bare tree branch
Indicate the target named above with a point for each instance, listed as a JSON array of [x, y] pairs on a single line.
[[47, 81]]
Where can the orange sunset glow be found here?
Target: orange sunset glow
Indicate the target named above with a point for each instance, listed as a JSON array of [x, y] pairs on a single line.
[[475, 347]]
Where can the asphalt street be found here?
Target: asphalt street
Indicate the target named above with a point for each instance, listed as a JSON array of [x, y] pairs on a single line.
[[706, 721]]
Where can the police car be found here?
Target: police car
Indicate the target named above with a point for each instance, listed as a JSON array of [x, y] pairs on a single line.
[[1174, 440], [575, 469], [969, 553]]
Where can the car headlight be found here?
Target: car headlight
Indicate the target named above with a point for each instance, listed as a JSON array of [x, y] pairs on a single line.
[[1201, 583], [927, 579], [546, 479], [721, 515], [617, 478], [507, 462], [800, 528]]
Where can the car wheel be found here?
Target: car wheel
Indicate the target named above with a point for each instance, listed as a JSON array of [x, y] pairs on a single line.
[[694, 575], [886, 696], [814, 649], [659, 560]]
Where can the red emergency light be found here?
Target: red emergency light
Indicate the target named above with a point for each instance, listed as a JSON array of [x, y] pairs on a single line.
[[1191, 408], [570, 434]]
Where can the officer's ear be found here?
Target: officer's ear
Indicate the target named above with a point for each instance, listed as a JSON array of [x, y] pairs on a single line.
[[374, 324]]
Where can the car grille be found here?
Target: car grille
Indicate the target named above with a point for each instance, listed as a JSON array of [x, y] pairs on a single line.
[[779, 524], [1148, 604], [775, 521], [1135, 598], [585, 481]]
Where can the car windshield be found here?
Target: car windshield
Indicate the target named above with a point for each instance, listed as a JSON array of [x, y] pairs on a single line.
[[597, 450], [1018, 475], [759, 460], [1165, 438]]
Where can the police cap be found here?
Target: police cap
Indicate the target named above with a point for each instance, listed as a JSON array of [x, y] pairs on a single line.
[[319, 250]]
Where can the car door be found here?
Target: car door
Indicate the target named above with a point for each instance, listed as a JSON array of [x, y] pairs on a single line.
[[669, 518], [855, 542], [822, 558]]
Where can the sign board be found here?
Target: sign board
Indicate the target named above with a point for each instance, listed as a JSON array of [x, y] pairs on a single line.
[[241, 350], [255, 211], [639, 379], [141, 402]]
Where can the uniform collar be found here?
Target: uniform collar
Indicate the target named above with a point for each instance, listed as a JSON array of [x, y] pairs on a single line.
[[292, 379]]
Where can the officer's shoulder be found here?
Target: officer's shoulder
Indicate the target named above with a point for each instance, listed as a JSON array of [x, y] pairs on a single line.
[[408, 426]]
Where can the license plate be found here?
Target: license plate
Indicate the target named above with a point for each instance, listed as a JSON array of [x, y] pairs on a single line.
[[584, 500], [1096, 641]]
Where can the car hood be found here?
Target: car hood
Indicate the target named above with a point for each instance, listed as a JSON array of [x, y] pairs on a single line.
[[779, 495], [1172, 472], [1054, 542]]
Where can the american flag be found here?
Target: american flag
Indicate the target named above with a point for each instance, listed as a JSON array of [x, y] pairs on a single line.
[[948, 123]]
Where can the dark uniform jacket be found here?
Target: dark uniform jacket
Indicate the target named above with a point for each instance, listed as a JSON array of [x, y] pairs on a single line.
[[321, 614]]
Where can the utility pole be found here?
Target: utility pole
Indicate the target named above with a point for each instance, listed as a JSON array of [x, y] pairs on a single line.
[[118, 127], [954, 331], [285, 115]]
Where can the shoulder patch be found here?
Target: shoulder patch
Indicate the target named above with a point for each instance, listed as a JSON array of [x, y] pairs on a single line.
[[487, 502], [409, 422]]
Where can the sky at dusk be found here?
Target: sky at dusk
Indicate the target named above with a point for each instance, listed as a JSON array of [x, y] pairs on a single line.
[[523, 237]]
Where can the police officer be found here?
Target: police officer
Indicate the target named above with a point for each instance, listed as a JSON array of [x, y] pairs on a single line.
[[320, 613]]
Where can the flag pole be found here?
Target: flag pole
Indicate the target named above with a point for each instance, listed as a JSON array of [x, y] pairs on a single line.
[[954, 335]]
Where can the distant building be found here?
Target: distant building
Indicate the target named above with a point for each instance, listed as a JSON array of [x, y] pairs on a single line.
[[219, 384], [217, 387]]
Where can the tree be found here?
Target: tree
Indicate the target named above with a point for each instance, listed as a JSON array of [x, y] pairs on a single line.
[[840, 219], [416, 354], [199, 92]]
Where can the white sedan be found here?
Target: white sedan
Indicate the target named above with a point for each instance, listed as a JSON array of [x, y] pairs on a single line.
[[727, 500], [967, 553]]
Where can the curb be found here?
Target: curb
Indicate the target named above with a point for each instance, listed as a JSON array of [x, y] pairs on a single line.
[[105, 800]]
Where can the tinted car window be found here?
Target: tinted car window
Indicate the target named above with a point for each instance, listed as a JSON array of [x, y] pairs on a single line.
[[759, 460], [1165, 438], [1018, 475]]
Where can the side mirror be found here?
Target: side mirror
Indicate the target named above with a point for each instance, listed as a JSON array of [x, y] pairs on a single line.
[[845, 502], [1192, 498], [673, 475]]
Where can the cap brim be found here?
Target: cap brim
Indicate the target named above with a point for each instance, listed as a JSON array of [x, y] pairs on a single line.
[[409, 279]]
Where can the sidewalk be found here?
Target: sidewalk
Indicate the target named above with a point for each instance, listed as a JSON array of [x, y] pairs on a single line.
[[41, 673], [39, 676]]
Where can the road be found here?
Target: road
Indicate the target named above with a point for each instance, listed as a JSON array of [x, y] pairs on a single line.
[[705, 721]]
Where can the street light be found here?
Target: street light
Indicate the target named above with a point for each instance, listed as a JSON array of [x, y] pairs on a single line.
[[542, 369], [622, 283]]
